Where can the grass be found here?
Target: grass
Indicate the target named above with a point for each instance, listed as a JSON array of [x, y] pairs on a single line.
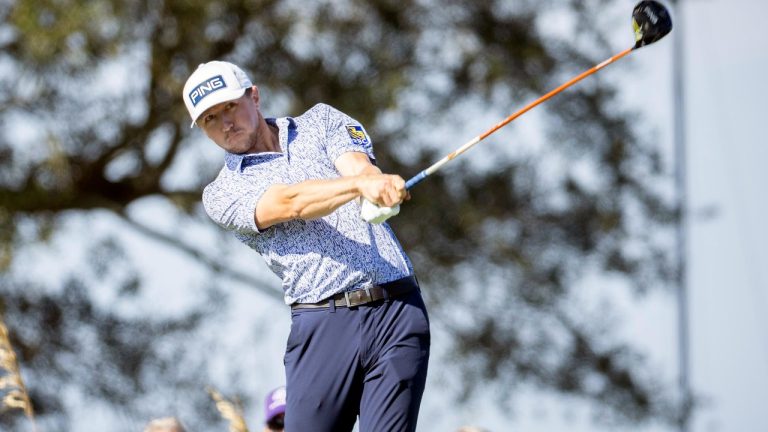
[[230, 411], [12, 388]]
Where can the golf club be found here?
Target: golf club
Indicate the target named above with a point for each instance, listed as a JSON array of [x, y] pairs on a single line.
[[650, 21]]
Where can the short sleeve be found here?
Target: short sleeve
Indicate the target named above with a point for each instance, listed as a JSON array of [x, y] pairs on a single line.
[[345, 134], [231, 202]]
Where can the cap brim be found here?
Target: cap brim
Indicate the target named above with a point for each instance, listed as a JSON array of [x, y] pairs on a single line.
[[223, 95]]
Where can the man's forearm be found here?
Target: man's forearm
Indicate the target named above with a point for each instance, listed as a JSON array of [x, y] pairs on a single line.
[[312, 199], [309, 199]]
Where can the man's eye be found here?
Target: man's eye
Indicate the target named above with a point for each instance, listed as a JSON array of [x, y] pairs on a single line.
[[209, 118]]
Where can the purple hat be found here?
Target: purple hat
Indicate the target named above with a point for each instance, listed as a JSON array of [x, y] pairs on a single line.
[[275, 403]]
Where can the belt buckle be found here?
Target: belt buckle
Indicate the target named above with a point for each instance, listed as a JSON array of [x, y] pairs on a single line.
[[346, 298]]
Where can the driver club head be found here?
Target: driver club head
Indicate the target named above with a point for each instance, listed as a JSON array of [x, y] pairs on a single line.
[[651, 22]]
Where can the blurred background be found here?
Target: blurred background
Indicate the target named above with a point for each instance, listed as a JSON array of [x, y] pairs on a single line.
[[551, 256]]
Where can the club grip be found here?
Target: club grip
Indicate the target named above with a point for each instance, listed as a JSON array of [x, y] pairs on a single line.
[[413, 181]]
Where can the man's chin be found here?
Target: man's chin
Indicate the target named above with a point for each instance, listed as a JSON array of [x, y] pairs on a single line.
[[237, 146]]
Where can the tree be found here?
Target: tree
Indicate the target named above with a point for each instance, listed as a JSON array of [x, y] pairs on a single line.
[[93, 122]]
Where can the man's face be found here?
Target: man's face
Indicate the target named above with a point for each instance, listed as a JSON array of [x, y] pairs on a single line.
[[232, 125]]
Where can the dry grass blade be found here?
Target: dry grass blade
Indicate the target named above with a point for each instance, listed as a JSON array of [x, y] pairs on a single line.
[[9, 381], [230, 411], [17, 397], [14, 399]]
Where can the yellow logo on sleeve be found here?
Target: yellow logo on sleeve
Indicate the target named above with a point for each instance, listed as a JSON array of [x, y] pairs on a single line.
[[358, 135]]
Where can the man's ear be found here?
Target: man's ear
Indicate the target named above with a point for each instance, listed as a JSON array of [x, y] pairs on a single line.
[[255, 95]]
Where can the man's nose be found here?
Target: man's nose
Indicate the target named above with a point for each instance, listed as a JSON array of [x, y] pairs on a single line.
[[227, 121]]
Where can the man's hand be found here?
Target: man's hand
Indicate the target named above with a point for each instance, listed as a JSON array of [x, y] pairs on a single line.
[[381, 197], [384, 190], [380, 194]]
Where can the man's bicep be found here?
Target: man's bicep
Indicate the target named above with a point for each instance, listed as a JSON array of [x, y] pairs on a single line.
[[355, 163]]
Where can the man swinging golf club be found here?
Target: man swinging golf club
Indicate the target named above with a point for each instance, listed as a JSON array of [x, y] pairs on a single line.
[[294, 189]]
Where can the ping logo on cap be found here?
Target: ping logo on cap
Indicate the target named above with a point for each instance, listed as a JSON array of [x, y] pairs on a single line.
[[205, 88]]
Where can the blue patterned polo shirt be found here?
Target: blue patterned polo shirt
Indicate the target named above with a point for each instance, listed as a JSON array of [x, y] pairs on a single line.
[[316, 258]]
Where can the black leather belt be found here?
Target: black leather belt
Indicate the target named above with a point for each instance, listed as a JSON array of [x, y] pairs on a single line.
[[365, 295]]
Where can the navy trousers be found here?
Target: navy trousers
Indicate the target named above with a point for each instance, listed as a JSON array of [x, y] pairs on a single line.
[[368, 361]]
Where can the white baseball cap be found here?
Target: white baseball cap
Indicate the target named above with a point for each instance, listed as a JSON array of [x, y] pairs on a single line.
[[213, 83]]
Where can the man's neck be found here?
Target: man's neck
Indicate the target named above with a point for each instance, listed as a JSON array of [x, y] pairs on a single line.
[[268, 139], [274, 135]]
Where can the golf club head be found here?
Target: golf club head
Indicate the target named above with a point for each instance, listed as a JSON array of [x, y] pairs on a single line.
[[651, 22]]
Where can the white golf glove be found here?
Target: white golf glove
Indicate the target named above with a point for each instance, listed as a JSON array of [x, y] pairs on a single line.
[[372, 213]]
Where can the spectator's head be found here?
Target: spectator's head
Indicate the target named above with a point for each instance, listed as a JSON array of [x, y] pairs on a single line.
[[166, 424], [274, 407]]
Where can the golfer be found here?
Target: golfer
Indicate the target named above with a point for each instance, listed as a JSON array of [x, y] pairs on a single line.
[[305, 193]]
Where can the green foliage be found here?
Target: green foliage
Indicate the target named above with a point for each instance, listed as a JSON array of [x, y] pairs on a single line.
[[73, 31]]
